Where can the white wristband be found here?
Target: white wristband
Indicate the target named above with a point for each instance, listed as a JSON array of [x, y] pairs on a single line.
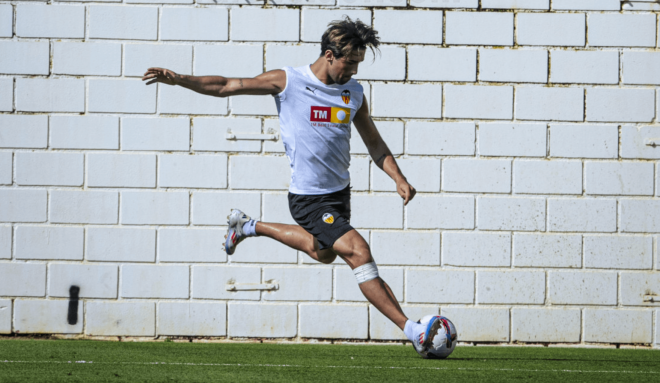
[[366, 272]]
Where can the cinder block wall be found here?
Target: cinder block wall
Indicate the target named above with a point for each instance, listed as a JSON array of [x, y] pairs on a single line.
[[525, 125]]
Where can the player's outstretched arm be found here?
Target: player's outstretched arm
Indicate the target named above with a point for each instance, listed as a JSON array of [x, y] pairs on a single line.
[[380, 153], [271, 82]]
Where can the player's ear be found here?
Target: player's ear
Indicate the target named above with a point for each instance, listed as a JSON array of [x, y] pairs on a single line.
[[329, 56]]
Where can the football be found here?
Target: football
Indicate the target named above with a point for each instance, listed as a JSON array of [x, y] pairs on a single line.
[[444, 339]]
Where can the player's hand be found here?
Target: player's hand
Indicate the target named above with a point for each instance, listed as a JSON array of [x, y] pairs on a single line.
[[165, 76], [406, 191]]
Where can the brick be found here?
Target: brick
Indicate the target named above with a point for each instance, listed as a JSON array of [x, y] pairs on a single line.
[[515, 4], [589, 5], [545, 325], [120, 318], [409, 26], [640, 6], [479, 101], [23, 131], [392, 133], [120, 245], [200, 171], [427, 63], [621, 30], [94, 281], [5, 309], [140, 57], [210, 282], [634, 139], [5, 242], [581, 287], [312, 315], [6, 26], [191, 245], [406, 248], [506, 139], [68, 206], [347, 288], [265, 250], [389, 64], [547, 177], [131, 23], [635, 286], [24, 57], [274, 24], [315, 21], [43, 168], [148, 281], [513, 65], [84, 132], [179, 100], [273, 125], [209, 134], [22, 279], [440, 138], [276, 208], [441, 212], [212, 208], [618, 252], [423, 174], [584, 141], [476, 249], [45, 317], [563, 29], [166, 134], [511, 287], [279, 56], [7, 95], [87, 59], [505, 213], [640, 215], [359, 172], [44, 242], [586, 67], [479, 324], [50, 21], [295, 284], [543, 103], [547, 250], [439, 286], [476, 175], [479, 28], [154, 208], [582, 214], [50, 95], [121, 170], [620, 105], [195, 24], [6, 168], [619, 178], [618, 326], [253, 105], [20, 205], [428, 100], [382, 328], [271, 173], [640, 68], [121, 96], [377, 212], [192, 319], [367, 3], [211, 60], [262, 320]]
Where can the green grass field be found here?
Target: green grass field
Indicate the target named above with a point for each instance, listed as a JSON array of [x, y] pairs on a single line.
[[62, 360]]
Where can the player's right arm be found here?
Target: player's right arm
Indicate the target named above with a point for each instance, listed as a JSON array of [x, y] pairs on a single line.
[[271, 82]]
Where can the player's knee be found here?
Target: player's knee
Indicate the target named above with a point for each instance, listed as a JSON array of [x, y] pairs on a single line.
[[327, 258]]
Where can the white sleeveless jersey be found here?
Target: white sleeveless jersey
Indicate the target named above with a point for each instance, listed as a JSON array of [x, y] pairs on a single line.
[[315, 124]]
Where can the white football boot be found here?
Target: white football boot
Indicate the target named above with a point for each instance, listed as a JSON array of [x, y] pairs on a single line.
[[236, 219], [423, 336]]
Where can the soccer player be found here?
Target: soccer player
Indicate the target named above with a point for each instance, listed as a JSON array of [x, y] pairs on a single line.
[[316, 104]]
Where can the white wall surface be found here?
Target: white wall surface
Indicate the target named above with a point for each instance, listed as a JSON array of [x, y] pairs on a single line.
[[523, 124]]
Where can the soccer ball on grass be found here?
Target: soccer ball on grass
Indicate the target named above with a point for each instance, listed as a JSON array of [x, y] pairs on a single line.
[[444, 338]]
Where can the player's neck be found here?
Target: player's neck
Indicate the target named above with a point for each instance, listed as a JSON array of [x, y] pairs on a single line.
[[320, 70]]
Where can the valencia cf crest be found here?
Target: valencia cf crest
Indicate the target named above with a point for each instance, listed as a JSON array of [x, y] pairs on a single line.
[[346, 96]]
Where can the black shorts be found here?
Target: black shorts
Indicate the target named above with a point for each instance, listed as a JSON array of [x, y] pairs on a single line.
[[327, 216]]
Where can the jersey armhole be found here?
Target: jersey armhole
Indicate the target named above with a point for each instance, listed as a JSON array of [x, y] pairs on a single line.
[[283, 93]]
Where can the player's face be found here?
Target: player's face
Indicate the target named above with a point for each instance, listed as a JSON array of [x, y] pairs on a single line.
[[344, 68]]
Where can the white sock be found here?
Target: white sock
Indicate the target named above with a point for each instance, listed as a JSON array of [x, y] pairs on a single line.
[[409, 329], [250, 228]]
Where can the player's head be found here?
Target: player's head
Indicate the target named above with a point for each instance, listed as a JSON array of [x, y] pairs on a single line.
[[344, 44]]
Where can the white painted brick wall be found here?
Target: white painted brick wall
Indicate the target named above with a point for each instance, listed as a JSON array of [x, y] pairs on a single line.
[[120, 245], [192, 319], [131, 23], [312, 315], [622, 30], [640, 215], [620, 105], [149, 281], [377, 212], [7, 18], [633, 141], [476, 101], [586, 141], [279, 56], [6, 95], [50, 95], [194, 24], [299, 284], [44, 242], [439, 138], [618, 326], [635, 285], [84, 132], [409, 27], [406, 248], [210, 282], [23, 131], [428, 100], [68, 206], [520, 140], [315, 21], [120, 318], [24, 57], [476, 175], [547, 177], [139, 57], [439, 286], [200, 171], [441, 212], [479, 324], [549, 103], [51, 21], [618, 252], [87, 59], [504, 213], [44, 316], [5, 242], [213, 208], [262, 320], [5, 316], [42, 168], [275, 24], [516, 65], [178, 100], [209, 134], [565, 29], [423, 174], [591, 67], [547, 250], [545, 325], [582, 287], [200, 245], [619, 178], [639, 68], [452, 64], [155, 208], [124, 96], [392, 133], [582, 214], [590, 5], [121, 170], [212, 59], [511, 287], [23, 279], [94, 281], [477, 28], [476, 249], [6, 168], [515, 4], [264, 250], [167, 134], [18, 205], [266, 172]]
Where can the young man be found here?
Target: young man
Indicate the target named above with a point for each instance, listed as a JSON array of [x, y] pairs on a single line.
[[316, 104]]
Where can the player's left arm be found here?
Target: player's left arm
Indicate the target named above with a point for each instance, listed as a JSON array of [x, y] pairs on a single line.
[[380, 153]]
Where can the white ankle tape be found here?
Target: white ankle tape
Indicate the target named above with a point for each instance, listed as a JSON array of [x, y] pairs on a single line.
[[366, 272]]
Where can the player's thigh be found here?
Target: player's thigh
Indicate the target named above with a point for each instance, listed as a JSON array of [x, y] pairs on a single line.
[[353, 249]]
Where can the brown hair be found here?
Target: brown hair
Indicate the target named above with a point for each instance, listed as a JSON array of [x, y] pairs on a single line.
[[344, 36]]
